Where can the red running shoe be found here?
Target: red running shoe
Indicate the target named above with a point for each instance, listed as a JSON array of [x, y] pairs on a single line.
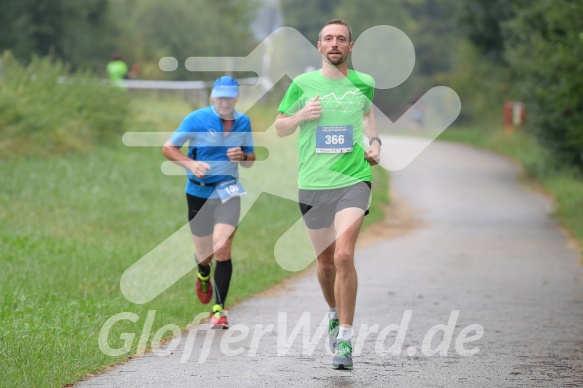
[[204, 288], [218, 318]]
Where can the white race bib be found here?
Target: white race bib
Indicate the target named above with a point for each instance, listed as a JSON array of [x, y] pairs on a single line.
[[230, 189], [337, 139]]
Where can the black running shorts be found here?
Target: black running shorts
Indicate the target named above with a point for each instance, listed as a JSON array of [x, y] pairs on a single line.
[[204, 213]]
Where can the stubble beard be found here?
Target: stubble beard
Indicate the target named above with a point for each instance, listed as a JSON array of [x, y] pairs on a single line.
[[336, 62]]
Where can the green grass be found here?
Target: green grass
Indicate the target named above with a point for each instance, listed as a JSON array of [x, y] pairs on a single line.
[[561, 183], [71, 224], [381, 197], [46, 109]]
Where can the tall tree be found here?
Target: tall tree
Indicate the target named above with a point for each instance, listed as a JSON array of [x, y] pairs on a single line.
[[434, 29], [67, 29], [307, 16], [151, 29], [15, 26], [544, 45], [482, 22], [540, 46]]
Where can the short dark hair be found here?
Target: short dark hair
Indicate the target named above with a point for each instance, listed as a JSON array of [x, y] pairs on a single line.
[[337, 21]]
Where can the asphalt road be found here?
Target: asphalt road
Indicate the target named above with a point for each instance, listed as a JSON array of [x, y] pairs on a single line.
[[470, 283]]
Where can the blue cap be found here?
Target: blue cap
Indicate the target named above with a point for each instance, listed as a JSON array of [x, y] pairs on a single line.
[[225, 86]]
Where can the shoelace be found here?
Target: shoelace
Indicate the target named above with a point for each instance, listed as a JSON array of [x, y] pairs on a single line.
[[204, 284], [344, 349], [333, 324]]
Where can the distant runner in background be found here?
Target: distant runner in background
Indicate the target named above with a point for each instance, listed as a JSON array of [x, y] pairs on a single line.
[[219, 140], [117, 70]]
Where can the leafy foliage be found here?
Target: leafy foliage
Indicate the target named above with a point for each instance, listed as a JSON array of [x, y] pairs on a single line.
[[308, 16], [86, 33], [150, 29], [538, 46], [482, 21], [45, 108], [69, 30], [545, 48]]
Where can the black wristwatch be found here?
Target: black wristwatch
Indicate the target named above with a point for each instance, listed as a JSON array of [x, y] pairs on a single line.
[[375, 138]]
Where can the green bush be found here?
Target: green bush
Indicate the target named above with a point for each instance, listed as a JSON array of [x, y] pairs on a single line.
[[44, 108], [545, 48]]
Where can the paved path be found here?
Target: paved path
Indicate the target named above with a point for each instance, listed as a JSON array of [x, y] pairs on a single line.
[[485, 260]]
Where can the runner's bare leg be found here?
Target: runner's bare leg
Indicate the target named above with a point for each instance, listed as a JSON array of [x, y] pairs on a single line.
[[348, 223], [336, 271], [324, 246], [223, 238]]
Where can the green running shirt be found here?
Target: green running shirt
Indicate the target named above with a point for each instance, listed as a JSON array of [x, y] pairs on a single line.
[[344, 101]]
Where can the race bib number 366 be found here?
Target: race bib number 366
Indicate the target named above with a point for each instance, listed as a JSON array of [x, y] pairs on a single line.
[[334, 139]]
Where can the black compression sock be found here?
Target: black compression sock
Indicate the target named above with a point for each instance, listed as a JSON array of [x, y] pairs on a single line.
[[204, 270], [223, 272]]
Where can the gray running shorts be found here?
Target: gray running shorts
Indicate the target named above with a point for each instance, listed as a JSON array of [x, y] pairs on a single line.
[[319, 207]]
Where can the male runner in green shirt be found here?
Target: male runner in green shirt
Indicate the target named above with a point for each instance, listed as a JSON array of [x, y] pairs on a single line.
[[333, 107]]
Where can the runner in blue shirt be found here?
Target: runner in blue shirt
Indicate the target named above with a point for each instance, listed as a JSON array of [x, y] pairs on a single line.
[[219, 139]]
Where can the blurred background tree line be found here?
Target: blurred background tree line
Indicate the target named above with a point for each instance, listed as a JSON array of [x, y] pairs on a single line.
[[488, 51]]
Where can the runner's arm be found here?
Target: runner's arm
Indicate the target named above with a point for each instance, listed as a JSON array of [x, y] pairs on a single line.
[[173, 153], [369, 127], [245, 159], [286, 125], [369, 124], [248, 159]]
